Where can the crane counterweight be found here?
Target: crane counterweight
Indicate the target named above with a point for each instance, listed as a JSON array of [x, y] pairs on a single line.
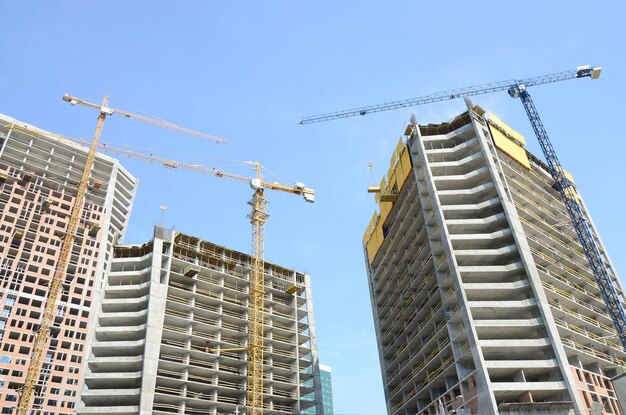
[[588, 70]]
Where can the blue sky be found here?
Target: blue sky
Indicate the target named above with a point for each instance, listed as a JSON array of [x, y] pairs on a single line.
[[248, 71]]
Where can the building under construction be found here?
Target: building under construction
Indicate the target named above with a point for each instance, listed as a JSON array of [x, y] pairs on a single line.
[[172, 333], [39, 173], [483, 300]]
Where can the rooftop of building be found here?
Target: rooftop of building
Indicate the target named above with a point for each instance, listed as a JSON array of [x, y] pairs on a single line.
[[198, 244], [25, 129]]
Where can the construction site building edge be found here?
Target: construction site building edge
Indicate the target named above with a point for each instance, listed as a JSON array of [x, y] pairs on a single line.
[[139, 329], [172, 333], [483, 300], [39, 175]]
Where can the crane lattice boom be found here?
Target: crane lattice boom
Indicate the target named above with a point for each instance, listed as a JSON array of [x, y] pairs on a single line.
[[159, 123], [255, 182], [582, 71]]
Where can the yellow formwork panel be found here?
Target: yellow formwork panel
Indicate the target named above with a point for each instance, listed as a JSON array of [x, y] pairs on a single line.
[[399, 171], [567, 175], [390, 176], [370, 227], [383, 184], [405, 159], [403, 168], [507, 129], [379, 233], [575, 193], [393, 183], [392, 161], [385, 208], [376, 240], [510, 147], [371, 248], [399, 148]]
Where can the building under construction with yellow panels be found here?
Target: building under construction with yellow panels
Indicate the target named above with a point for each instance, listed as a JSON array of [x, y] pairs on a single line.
[[483, 300]]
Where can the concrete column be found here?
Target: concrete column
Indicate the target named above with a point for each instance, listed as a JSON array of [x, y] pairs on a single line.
[[486, 403], [156, 315]]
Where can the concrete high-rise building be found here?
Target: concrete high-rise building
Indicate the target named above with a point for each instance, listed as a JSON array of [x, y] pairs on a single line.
[[39, 174], [483, 300], [326, 383], [171, 333]]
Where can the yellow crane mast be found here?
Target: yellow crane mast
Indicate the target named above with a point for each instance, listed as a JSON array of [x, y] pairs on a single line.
[[43, 334], [257, 216]]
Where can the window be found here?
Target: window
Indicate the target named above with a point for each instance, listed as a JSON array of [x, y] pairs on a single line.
[[55, 391], [5, 359]]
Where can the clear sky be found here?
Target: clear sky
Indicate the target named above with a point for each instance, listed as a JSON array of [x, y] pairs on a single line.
[[248, 71]]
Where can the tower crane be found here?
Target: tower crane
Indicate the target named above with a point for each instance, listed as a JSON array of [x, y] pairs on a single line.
[[580, 72], [43, 334], [578, 216], [257, 216]]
